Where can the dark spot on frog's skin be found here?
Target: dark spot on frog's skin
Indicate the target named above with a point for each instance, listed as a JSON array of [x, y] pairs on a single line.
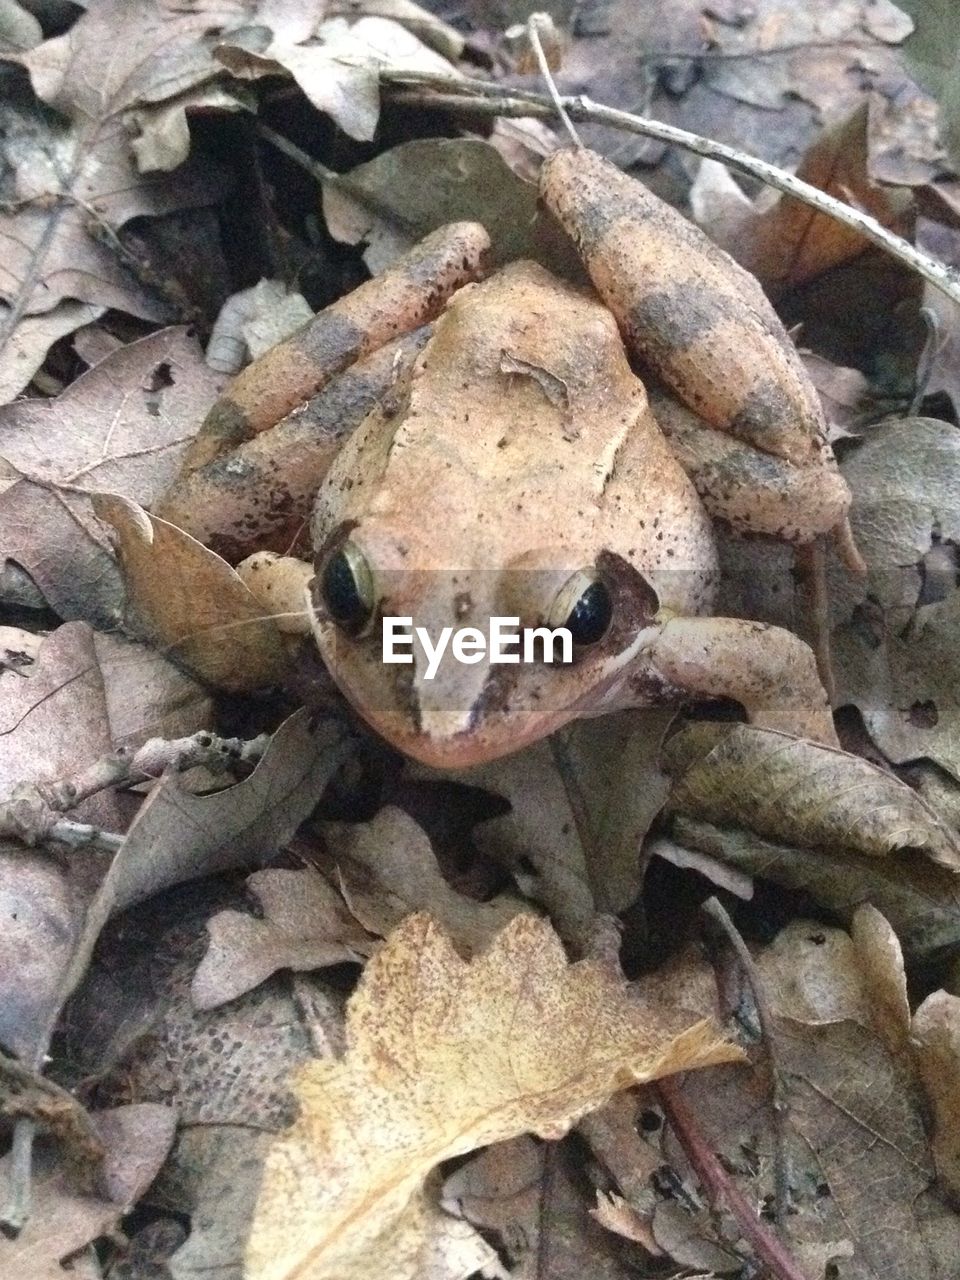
[[767, 415], [331, 340], [502, 442], [227, 423], [673, 320]]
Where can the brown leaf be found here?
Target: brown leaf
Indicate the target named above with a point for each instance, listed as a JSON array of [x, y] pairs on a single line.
[[919, 898], [339, 69], [33, 337], [795, 790], [854, 1132], [177, 836], [304, 926], [190, 603], [936, 1044], [788, 242], [63, 1220], [122, 425], [386, 203], [444, 1057], [388, 871]]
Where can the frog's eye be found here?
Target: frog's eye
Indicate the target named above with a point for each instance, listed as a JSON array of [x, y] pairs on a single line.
[[583, 605], [346, 585]]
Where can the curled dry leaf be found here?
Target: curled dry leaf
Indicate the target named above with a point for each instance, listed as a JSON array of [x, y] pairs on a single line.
[[305, 926], [445, 1056], [388, 871], [34, 336], [919, 898], [190, 603], [788, 242], [936, 1047], [800, 792]]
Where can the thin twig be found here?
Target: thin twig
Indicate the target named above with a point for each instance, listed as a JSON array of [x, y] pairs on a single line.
[[31, 811], [778, 1095], [484, 96], [14, 1215], [535, 24], [721, 1187]]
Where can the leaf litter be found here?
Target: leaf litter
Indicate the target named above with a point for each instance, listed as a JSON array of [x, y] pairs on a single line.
[[393, 1034]]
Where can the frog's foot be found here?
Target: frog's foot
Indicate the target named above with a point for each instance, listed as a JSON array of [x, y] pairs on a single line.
[[771, 672], [752, 491]]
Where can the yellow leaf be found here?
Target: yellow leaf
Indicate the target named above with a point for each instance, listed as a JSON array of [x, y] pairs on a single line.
[[445, 1056]]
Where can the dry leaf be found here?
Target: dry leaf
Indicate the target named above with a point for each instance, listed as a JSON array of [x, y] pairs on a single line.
[[860, 1167], [33, 337], [123, 425], [305, 925], [920, 899], [443, 1057], [77, 704], [64, 1220], [388, 871], [387, 204], [894, 660], [795, 790], [935, 1037], [339, 71], [190, 603]]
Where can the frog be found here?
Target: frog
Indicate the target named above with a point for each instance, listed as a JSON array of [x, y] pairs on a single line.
[[522, 469]]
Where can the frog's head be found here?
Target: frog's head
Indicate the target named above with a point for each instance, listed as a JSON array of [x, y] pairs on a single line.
[[486, 671]]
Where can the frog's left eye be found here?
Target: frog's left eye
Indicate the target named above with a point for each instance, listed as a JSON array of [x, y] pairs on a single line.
[[584, 606], [346, 585]]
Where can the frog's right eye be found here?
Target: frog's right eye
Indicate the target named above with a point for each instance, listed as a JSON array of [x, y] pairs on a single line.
[[346, 585], [583, 605]]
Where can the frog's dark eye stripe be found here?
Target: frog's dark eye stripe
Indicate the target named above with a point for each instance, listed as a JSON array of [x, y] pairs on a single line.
[[346, 585], [584, 606]]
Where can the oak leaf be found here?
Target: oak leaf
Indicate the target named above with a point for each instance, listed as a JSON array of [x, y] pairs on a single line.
[[795, 790], [188, 601], [443, 1057]]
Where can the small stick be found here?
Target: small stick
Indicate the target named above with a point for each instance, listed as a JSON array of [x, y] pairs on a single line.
[[535, 24], [721, 1187], [778, 1098], [482, 95], [14, 1215], [30, 812]]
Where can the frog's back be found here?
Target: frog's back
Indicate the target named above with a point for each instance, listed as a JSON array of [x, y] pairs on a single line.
[[531, 440]]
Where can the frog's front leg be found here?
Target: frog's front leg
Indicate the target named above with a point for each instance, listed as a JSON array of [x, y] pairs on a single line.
[[769, 671], [248, 478]]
